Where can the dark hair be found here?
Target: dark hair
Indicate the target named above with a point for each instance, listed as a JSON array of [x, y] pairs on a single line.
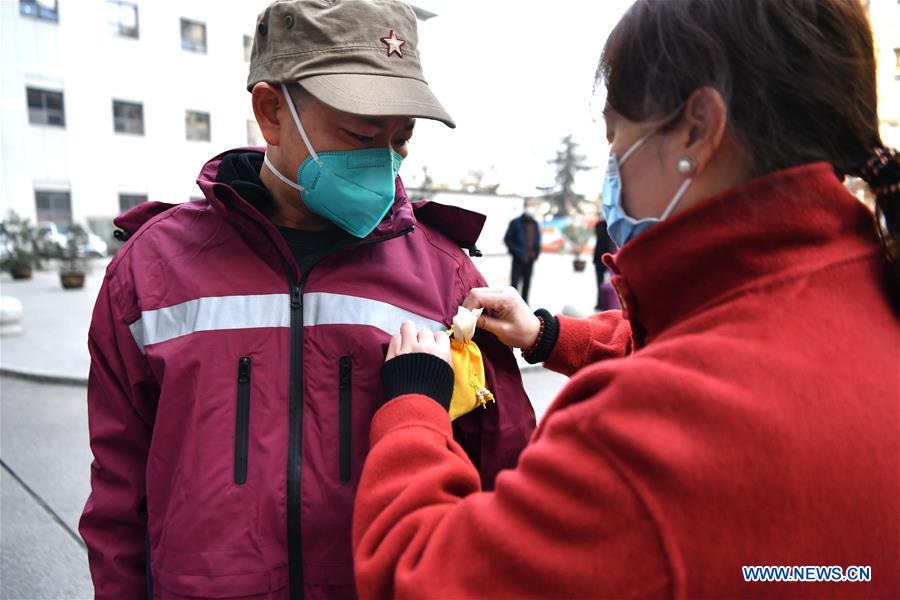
[[798, 78]]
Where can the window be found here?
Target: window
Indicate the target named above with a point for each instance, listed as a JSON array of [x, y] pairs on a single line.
[[122, 18], [45, 107], [48, 10], [248, 48], [129, 201], [53, 206], [193, 36], [254, 135], [128, 117], [197, 126]]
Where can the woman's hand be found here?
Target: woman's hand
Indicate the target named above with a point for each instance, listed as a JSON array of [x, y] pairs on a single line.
[[410, 341], [514, 324]]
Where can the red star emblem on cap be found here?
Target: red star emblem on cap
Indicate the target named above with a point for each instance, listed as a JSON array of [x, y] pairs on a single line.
[[394, 44]]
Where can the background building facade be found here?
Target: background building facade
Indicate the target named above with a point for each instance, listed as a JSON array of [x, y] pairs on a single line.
[[107, 103]]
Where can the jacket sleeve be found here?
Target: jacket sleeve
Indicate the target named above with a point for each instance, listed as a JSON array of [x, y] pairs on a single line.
[[121, 404], [584, 341], [554, 527]]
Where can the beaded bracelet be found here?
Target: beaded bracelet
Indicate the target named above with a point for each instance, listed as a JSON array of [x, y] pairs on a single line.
[[537, 341]]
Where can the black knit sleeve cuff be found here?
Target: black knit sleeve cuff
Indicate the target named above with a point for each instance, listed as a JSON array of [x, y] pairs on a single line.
[[418, 373], [548, 339]]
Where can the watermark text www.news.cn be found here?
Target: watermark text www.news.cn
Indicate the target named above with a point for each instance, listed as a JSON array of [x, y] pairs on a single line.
[[813, 573]]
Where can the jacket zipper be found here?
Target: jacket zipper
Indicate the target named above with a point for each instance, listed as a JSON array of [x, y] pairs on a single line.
[[295, 417], [295, 442], [242, 422], [345, 433], [295, 434]]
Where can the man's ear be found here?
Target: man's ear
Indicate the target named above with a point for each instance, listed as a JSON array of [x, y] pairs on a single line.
[[706, 117], [266, 103]]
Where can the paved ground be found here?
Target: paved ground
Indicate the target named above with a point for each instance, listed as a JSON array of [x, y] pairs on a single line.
[[44, 483]]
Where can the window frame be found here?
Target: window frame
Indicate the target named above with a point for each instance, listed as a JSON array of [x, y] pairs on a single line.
[[50, 213], [188, 115], [46, 111], [117, 27], [127, 201], [117, 118], [190, 45], [248, 47], [34, 9]]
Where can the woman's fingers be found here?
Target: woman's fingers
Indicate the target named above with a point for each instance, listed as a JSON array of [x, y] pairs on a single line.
[[410, 340], [442, 344], [393, 347], [408, 337], [491, 324], [483, 297]]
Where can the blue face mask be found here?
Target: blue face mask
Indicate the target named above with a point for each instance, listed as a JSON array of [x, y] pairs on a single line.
[[352, 189], [620, 225]]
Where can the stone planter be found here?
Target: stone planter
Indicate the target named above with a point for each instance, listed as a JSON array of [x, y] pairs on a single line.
[[20, 271], [72, 281], [579, 264]]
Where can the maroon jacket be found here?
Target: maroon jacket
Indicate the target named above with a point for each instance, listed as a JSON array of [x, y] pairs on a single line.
[[230, 397], [744, 410]]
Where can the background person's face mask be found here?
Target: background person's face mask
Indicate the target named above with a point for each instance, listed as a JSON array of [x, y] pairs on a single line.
[[621, 226], [352, 189]]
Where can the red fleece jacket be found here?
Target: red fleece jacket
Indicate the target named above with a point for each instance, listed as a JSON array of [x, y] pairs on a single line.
[[754, 421]]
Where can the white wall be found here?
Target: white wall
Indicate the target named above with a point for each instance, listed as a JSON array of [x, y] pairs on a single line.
[[92, 66]]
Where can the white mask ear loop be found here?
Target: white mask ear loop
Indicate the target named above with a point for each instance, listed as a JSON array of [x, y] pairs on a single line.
[[290, 103], [631, 150], [275, 172], [676, 198]]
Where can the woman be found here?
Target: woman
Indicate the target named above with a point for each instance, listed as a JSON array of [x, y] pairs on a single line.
[[743, 408]]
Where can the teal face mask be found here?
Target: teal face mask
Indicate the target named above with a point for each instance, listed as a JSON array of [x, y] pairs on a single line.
[[352, 189]]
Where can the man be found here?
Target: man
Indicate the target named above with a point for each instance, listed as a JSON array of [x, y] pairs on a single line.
[[523, 240], [237, 341], [604, 245]]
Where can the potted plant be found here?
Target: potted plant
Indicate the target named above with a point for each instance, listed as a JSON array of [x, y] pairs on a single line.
[[577, 236], [74, 265], [17, 246]]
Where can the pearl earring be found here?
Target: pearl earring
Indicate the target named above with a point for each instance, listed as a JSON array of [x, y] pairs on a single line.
[[686, 165]]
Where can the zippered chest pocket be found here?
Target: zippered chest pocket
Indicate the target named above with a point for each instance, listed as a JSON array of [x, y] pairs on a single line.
[[345, 421], [242, 421]]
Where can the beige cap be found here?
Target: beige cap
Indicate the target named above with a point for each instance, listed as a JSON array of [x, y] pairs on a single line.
[[357, 56]]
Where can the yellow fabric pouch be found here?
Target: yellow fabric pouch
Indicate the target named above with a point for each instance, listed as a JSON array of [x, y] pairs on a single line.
[[469, 382]]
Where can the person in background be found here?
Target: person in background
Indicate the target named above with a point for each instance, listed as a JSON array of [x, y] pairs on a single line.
[[742, 409], [604, 245], [237, 341], [523, 240]]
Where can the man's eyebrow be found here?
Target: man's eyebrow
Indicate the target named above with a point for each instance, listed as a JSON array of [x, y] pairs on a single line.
[[375, 122]]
